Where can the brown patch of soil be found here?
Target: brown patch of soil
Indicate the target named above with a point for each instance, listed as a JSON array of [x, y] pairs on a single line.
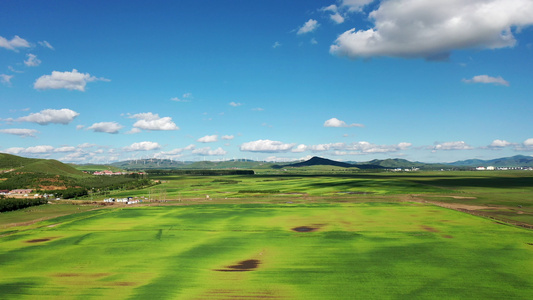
[[430, 229], [239, 294], [304, 229], [121, 283], [94, 275], [446, 236], [243, 266], [40, 240], [67, 275]]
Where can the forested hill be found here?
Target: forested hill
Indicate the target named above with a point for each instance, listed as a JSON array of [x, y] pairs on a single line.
[[34, 165]]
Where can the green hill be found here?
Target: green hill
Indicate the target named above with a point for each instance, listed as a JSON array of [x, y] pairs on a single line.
[[510, 162], [319, 161], [8, 161]]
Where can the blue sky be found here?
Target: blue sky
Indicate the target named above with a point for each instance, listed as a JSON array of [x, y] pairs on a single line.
[[350, 80]]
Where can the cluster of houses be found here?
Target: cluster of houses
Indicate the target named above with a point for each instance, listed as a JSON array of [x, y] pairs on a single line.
[[405, 170], [492, 168], [111, 173], [19, 193], [127, 200]]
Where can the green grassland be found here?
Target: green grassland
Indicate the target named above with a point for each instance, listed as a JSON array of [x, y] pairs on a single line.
[[280, 236], [244, 251]]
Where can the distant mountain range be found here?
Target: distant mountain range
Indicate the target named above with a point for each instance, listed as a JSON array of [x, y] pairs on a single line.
[[391, 163], [510, 162], [23, 164]]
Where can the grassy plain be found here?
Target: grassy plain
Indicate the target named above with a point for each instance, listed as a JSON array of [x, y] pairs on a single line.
[[281, 236], [245, 251]]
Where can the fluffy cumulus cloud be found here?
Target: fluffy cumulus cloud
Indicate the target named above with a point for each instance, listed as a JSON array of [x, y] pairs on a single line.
[[107, 127], [300, 148], [20, 132], [208, 139], [235, 104], [431, 29], [14, 43], [206, 151], [334, 13], [499, 144], [458, 145], [367, 148], [527, 145], [228, 137], [487, 79], [309, 26], [334, 122], [32, 60], [41, 149], [65, 80], [143, 146], [152, 122], [266, 146], [48, 116]]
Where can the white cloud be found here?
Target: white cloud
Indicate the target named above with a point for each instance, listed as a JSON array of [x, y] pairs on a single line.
[[337, 18], [431, 29], [487, 79], [65, 149], [309, 26], [208, 139], [227, 137], [206, 151], [335, 15], [143, 146], [65, 80], [107, 127], [32, 60], [258, 109], [185, 98], [358, 148], [499, 144], [527, 145], [39, 149], [20, 132], [266, 146], [235, 104], [57, 116], [46, 45], [459, 145], [14, 43], [133, 131], [334, 122], [6, 79], [276, 45], [299, 148], [14, 150], [80, 127], [151, 121], [355, 5]]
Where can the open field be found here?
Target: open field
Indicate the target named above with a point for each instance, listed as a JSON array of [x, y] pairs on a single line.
[[291, 236], [268, 251], [508, 195]]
